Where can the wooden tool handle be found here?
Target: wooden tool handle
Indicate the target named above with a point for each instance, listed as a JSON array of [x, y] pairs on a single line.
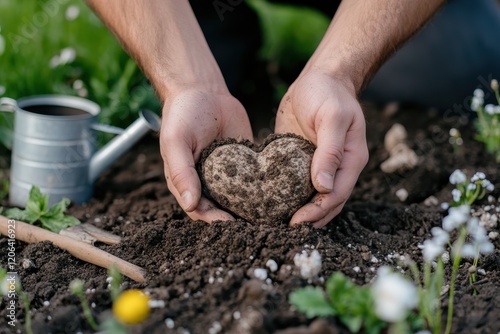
[[31, 234]]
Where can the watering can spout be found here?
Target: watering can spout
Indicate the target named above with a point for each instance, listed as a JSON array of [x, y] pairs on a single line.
[[122, 143]]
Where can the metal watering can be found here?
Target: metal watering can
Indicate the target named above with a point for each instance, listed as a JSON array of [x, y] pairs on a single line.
[[54, 146]]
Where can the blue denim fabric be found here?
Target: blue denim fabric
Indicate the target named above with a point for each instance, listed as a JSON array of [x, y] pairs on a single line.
[[456, 52]]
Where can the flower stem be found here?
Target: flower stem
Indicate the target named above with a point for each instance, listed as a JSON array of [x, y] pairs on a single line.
[[27, 316], [456, 263]]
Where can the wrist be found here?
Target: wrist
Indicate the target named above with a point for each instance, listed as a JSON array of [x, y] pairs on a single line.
[[351, 75], [200, 74]]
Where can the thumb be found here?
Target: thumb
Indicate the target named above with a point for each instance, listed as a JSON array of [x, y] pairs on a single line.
[[183, 180], [328, 154]]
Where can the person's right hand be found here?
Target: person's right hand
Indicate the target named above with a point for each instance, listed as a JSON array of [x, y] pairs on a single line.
[[191, 120]]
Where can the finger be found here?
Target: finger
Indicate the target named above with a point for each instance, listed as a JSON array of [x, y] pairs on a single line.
[[205, 211], [208, 212], [324, 207], [181, 172], [331, 134]]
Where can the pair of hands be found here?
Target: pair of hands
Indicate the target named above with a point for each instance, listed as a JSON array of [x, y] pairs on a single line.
[[317, 106]]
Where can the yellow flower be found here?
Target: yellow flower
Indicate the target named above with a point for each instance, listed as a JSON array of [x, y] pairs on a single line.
[[131, 307]]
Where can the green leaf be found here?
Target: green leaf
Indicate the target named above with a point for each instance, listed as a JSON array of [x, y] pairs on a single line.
[[57, 224], [354, 323], [312, 302], [52, 219], [37, 202], [23, 215], [58, 209]]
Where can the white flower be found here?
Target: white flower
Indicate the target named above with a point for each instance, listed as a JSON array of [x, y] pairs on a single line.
[[479, 93], [476, 103], [471, 186], [494, 84], [394, 296], [457, 177], [457, 216], [431, 250], [54, 61], [72, 13], [480, 242], [440, 235], [444, 205], [66, 56], [488, 185], [497, 109], [309, 265], [489, 109], [478, 176], [457, 194], [475, 230]]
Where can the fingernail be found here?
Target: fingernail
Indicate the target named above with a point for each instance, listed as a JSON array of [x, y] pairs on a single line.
[[187, 199], [325, 180]]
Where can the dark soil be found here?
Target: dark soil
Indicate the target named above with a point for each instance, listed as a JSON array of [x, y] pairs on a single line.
[[204, 273]]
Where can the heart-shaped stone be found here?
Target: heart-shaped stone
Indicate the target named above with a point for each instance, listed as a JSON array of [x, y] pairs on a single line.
[[264, 183]]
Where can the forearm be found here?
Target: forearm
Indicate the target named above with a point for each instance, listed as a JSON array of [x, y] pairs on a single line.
[[164, 38], [364, 33]]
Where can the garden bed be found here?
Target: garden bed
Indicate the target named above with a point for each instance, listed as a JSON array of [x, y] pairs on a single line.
[[204, 273]]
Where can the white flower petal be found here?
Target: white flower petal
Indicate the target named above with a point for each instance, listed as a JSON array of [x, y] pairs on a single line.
[[394, 296], [457, 177]]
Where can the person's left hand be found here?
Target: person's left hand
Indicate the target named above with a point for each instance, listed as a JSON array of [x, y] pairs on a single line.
[[325, 110]]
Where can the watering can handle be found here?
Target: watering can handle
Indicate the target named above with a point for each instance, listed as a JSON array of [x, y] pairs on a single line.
[[8, 104]]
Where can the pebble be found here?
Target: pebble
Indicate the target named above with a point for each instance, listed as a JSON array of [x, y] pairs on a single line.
[[46, 303], [402, 194], [272, 265], [356, 269], [431, 201], [260, 273], [236, 315], [493, 235], [170, 323]]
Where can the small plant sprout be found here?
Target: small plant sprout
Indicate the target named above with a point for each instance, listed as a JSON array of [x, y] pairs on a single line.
[[466, 191], [37, 209], [353, 305], [460, 221], [10, 286], [76, 288], [131, 307], [116, 279], [456, 140], [488, 121]]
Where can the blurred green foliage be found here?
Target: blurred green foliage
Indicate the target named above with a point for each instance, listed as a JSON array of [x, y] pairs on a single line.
[[61, 47], [290, 34]]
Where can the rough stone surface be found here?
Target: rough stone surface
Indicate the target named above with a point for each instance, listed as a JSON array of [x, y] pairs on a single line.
[[264, 183]]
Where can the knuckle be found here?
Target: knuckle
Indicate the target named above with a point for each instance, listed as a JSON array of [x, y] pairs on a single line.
[[334, 156], [178, 176]]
